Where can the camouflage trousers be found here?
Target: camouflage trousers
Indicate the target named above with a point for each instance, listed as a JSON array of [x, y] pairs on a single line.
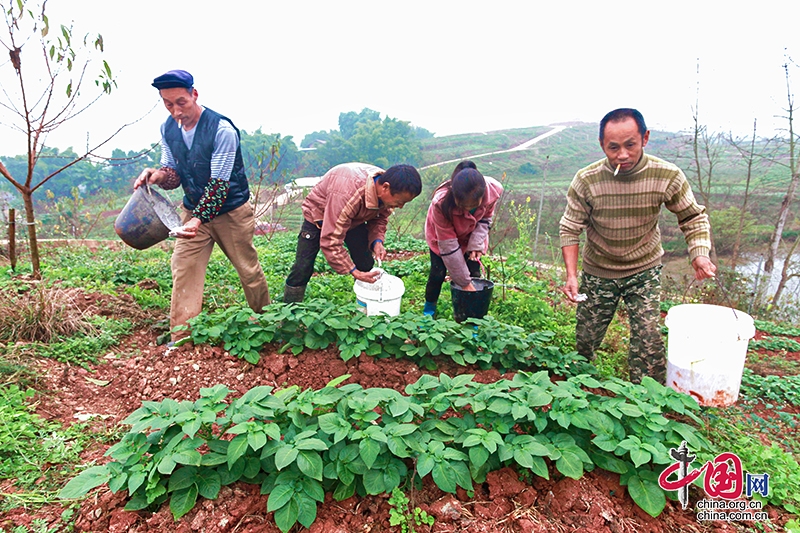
[[640, 292]]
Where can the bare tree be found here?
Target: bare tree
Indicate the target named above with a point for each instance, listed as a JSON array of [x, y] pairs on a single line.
[[38, 103], [753, 159], [788, 271], [783, 213], [707, 149]]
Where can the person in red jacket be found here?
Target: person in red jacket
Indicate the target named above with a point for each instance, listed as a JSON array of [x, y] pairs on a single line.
[[345, 216], [457, 229]]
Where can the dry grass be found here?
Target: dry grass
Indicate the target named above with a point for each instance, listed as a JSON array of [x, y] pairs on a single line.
[[41, 314]]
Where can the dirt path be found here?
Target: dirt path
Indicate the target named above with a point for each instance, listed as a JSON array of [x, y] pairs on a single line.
[[523, 146]]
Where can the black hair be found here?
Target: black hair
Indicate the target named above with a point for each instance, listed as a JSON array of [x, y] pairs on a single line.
[[402, 178], [461, 166], [621, 114], [466, 185]]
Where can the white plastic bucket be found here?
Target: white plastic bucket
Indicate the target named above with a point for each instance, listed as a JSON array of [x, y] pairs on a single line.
[[381, 297], [706, 350]]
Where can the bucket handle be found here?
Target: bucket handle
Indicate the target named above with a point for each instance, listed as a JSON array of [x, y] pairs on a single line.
[[722, 289]]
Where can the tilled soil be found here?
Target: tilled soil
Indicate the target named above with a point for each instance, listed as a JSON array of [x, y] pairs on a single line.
[[138, 370]]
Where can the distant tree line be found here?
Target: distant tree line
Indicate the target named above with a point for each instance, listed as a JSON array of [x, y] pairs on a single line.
[[361, 136]]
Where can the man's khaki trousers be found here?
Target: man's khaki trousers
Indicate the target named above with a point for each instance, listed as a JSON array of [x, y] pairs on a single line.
[[233, 232]]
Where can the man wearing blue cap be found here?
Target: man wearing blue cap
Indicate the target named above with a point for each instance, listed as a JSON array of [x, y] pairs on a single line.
[[200, 151]]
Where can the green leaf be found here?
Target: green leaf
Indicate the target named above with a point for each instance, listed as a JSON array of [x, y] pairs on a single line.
[[425, 464], [236, 448], [478, 455], [311, 444], [256, 439], [286, 516], [279, 497], [166, 465], [605, 442], [182, 501], [342, 491], [230, 474], [368, 450], [630, 409], [285, 456], [117, 482], [475, 439], [137, 502], [462, 475], [444, 477], [272, 431], [500, 406], [313, 489], [256, 394], [182, 478], [539, 467], [530, 445], [208, 483], [213, 459], [252, 467], [647, 495], [538, 397], [331, 423], [135, 481], [639, 457], [570, 465], [306, 510], [523, 458], [373, 482], [609, 462], [192, 426], [310, 463], [190, 457]]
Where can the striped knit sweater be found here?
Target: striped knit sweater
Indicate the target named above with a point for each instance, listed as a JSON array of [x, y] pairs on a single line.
[[620, 215]]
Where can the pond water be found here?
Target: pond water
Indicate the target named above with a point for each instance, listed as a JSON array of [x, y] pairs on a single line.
[[758, 282]]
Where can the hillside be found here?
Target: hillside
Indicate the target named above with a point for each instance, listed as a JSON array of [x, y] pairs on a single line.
[[548, 167], [541, 169]]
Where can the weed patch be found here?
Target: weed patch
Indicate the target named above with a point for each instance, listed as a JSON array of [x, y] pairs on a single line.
[[41, 314], [37, 454]]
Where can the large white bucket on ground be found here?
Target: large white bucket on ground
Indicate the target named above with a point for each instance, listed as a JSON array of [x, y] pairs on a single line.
[[706, 350], [381, 297]]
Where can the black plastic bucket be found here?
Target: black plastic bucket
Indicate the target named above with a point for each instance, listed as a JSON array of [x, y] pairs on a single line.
[[146, 219], [467, 304]]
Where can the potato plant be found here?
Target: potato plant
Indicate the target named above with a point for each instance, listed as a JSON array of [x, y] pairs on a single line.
[[346, 440]]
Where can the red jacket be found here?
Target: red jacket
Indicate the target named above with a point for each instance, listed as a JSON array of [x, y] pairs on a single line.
[[467, 231], [344, 198]]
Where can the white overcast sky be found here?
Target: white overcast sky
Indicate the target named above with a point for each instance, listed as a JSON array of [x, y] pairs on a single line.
[[451, 66]]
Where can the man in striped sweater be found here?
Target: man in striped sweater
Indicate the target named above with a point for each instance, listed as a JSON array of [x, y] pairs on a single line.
[[617, 201]]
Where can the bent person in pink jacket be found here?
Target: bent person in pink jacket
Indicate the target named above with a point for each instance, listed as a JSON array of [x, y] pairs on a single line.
[[457, 229]]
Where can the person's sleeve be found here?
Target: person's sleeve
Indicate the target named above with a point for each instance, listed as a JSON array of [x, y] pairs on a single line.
[[173, 180], [449, 249], [479, 238], [376, 228], [576, 214], [336, 221], [226, 143], [692, 217]]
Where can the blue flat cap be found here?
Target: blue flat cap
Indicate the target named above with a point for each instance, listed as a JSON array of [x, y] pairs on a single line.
[[174, 78]]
